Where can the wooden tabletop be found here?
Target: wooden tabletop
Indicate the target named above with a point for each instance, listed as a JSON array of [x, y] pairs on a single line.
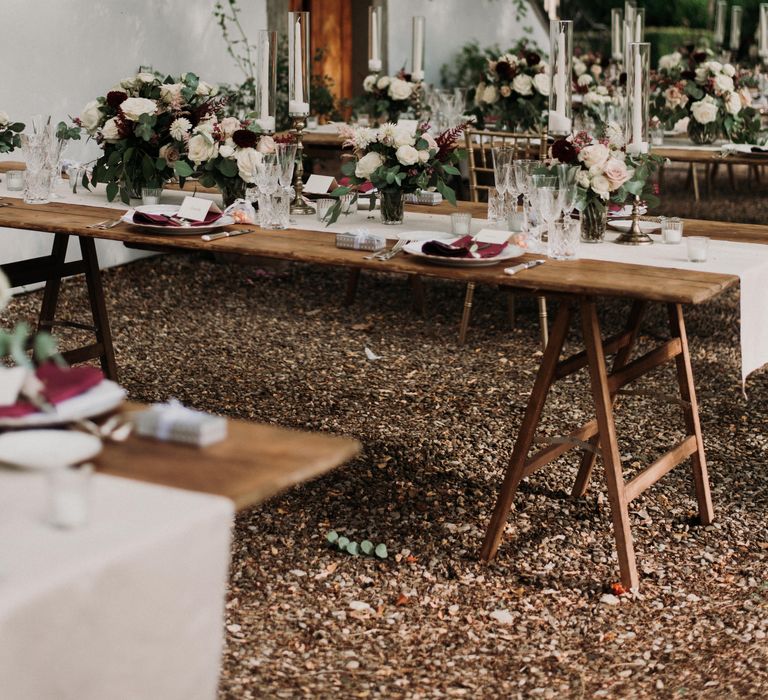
[[255, 462], [582, 277], [694, 155]]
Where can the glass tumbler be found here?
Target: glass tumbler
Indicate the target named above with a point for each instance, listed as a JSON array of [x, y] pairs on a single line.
[[563, 242], [323, 207], [38, 175], [698, 247], [14, 180], [461, 223], [672, 230]]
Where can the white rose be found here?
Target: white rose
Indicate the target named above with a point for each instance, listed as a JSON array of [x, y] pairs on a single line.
[[170, 92], [723, 83], [368, 164], [109, 131], [671, 60], [423, 156], [407, 155], [91, 116], [202, 147], [134, 107], [180, 128], [248, 161], [596, 69], [729, 70], [594, 155], [400, 89], [145, 78], [4, 119], [369, 83], [584, 80], [227, 150], [383, 82], [490, 94], [127, 83], [704, 111], [522, 84], [733, 103], [229, 125], [403, 137], [205, 89], [602, 186], [582, 179], [541, 81], [579, 67], [713, 66], [510, 58]]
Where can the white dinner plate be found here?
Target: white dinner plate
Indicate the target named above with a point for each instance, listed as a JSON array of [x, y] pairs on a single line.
[[625, 224], [425, 235], [171, 210], [100, 399], [47, 449], [511, 251]]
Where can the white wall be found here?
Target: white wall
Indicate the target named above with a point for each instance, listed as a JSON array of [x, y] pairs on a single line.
[[452, 23], [56, 55]]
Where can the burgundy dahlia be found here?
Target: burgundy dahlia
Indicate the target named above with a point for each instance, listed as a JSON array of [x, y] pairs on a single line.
[[532, 58], [245, 138], [688, 75], [564, 151], [504, 70], [700, 56], [115, 98]]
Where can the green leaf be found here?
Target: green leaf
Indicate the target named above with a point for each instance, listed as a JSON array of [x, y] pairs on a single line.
[[342, 542], [447, 192], [112, 189], [332, 536], [332, 215], [381, 551], [348, 168], [161, 164], [227, 167], [366, 547], [451, 170], [353, 548], [182, 168]]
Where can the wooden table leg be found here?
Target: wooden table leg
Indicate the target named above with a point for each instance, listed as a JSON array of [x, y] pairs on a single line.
[[419, 297], [52, 288], [353, 281], [538, 397], [466, 312], [603, 401]]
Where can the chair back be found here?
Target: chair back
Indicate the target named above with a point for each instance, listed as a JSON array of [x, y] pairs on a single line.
[[480, 156]]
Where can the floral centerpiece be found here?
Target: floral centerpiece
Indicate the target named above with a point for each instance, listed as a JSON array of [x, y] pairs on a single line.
[[714, 97], [153, 130], [607, 173], [388, 96], [397, 160], [9, 133], [514, 91]]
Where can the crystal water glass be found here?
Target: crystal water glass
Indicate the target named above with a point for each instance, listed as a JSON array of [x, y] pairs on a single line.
[[286, 159], [698, 248], [502, 157], [563, 242], [38, 182], [497, 210], [549, 206], [279, 210]]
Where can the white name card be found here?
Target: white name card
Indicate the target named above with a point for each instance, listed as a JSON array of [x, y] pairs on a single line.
[[319, 184], [194, 208], [492, 235]]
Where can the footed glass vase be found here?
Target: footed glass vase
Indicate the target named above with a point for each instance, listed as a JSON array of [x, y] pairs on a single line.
[[391, 207], [594, 220]]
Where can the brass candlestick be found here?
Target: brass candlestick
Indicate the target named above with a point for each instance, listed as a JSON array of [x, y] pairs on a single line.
[[635, 235], [417, 99], [299, 206]]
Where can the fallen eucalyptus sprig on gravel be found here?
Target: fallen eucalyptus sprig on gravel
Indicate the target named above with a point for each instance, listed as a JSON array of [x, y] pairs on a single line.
[[366, 547]]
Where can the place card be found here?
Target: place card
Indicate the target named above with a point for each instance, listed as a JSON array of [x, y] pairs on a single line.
[[492, 235], [194, 209], [320, 184]]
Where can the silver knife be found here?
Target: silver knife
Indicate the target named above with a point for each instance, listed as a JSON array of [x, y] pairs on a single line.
[[523, 266], [225, 234]]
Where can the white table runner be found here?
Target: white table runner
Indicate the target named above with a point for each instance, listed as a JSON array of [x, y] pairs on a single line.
[[129, 606]]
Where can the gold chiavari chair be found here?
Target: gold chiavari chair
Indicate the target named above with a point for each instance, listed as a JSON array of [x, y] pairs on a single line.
[[479, 146]]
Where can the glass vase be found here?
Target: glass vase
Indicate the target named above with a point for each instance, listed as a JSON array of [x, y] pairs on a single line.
[[391, 207], [594, 220], [234, 189], [703, 134]]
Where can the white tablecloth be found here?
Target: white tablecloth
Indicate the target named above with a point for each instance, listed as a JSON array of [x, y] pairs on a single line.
[[129, 607]]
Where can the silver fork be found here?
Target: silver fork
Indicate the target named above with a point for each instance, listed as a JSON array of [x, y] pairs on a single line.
[[387, 254]]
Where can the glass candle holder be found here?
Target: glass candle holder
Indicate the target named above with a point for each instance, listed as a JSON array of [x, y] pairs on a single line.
[[698, 248], [375, 24], [617, 34], [151, 195], [461, 223], [323, 206], [560, 67], [298, 64], [638, 81], [672, 230], [349, 204], [267, 81], [736, 15], [68, 496], [657, 135], [719, 34], [417, 48], [762, 32], [14, 180]]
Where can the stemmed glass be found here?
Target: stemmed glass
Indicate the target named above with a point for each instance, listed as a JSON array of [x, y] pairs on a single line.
[[502, 157], [537, 182], [567, 179], [550, 205], [523, 169], [286, 159]]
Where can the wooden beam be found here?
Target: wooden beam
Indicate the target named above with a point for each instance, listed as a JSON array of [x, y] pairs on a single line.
[[575, 362], [643, 365], [650, 475], [551, 452]]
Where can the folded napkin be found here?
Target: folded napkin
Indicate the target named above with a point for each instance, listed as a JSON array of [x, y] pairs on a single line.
[[141, 217], [59, 384], [460, 249], [758, 149]]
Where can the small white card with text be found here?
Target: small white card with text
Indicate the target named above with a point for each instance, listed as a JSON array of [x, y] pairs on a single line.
[[492, 235], [319, 184], [194, 208]]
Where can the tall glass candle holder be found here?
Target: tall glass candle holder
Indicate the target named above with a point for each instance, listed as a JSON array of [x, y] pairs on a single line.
[[762, 36], [267, 81], [560, 66], [417, 48], [375, 22], [638, 81], [617, 34], [736, 15], [634, 31], [298, 64], [719, 28]]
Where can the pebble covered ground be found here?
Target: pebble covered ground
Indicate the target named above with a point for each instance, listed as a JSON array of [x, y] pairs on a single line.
[[437, 422]]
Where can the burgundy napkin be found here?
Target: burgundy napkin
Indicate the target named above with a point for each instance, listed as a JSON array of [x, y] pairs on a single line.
[[460, 249], [60, 384], [141, 217], [757, 149]]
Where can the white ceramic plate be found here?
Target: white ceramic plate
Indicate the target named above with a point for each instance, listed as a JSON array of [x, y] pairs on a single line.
[[425, 236], [625, 224], [100, 399], [171, 210], [511, 251], [47, 449]]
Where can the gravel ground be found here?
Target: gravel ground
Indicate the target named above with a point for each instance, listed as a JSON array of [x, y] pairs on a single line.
[[438, 422]]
